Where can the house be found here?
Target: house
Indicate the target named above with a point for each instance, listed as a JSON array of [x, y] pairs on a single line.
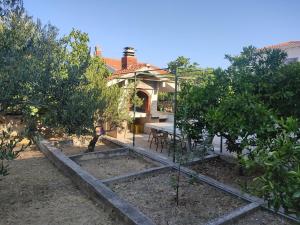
[[292, 48], [150, 81]]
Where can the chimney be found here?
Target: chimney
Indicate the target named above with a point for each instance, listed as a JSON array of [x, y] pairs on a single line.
[[97, 51], [128, 57]]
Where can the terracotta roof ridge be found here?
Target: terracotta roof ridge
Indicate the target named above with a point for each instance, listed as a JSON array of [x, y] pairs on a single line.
[[284, 44]]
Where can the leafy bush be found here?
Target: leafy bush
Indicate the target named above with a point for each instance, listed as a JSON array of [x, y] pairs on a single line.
[[9, 150], [279, 160]]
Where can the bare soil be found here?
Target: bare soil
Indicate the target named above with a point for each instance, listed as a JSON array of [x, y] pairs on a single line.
[[103, 168], [225, 172], [262, 217], [71, 149], [36, 193], [155, 197]]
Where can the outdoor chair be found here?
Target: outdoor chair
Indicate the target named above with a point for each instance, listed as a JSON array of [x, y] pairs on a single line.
[[158, 131], [159, 138]]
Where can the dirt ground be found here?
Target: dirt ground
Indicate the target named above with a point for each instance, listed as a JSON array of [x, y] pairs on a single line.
[[70, 149], [36, 193], [224, 172], [155, 197], [104, 168], [261, 217]]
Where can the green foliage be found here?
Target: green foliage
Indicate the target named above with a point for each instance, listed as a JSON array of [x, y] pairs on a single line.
[[165, 101], [8, 150], [243, 104], [240, 119], [9, 6], [51, 80], [279, 159], [183, 63], [284, 93], [196, 97]]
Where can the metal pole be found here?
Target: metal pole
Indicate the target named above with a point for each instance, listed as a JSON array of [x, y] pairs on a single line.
[[134, 109], [221, 144], [175, 109]]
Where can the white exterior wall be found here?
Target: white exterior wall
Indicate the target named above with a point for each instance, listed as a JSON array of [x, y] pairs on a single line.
[[293, 53]]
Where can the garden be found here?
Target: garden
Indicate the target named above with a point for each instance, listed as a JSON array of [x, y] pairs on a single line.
[[54, 96]]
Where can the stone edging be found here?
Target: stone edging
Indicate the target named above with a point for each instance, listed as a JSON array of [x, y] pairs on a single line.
[[235, 214], [100, 154], [143, 173], [223, 187], [93, 187]]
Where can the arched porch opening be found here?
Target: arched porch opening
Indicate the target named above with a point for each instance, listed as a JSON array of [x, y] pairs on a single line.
[[145, 107]]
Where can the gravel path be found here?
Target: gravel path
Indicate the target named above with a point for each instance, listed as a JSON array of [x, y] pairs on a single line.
[[36, 193]]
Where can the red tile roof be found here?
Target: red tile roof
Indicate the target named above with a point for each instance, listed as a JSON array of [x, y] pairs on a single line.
[[116, 64], [289, 44]]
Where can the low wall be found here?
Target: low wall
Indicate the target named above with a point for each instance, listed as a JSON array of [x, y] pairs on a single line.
[[93, 188]]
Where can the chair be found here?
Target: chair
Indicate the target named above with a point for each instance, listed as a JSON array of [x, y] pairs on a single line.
[[158, 131], [159, 138]]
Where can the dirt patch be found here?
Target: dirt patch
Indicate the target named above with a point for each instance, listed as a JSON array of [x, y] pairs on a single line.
[[261, 217], [225, 172], [104, 168], [35, 192], [70, 149], [155, 197]]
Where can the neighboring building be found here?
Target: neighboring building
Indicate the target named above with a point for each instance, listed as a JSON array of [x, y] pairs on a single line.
[[292, 48], [150, 81]]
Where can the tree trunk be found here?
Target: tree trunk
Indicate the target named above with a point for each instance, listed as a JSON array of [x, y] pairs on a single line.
[[241, 169], [92, 143]]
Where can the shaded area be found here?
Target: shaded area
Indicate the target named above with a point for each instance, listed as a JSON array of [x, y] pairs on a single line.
[[225, 172], [68, 147]]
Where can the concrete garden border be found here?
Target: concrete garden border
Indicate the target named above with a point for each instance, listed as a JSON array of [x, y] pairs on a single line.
[[254, 202], [124, 212], [93, 187]]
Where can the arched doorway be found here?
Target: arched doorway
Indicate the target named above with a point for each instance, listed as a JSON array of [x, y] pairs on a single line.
[[145, 107]]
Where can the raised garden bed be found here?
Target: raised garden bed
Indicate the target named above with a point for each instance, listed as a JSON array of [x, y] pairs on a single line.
[[78, 146], [35, 192], [115, 165], [155, 197], [225, 172], [262, 217]]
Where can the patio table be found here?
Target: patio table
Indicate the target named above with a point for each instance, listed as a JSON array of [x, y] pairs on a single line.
[[167, 127]]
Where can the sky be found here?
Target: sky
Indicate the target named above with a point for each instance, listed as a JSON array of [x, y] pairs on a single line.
[[162, 30]]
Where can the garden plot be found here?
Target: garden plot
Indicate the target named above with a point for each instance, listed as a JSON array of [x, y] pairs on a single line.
[[35, 192], [116, 164], [225, 172], [155, 196], [79, 146], [262, 217]]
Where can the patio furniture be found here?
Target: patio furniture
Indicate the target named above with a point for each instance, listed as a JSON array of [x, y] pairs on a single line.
[[159, 138], [158, 131]]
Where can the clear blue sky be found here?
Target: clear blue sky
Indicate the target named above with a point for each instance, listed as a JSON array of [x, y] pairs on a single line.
[[161, 30]]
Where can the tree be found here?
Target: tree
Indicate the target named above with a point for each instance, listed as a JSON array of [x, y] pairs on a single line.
[[279, 160], [53, 81], [240, 119], [9, 6], [284, 93], [183, 63]]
